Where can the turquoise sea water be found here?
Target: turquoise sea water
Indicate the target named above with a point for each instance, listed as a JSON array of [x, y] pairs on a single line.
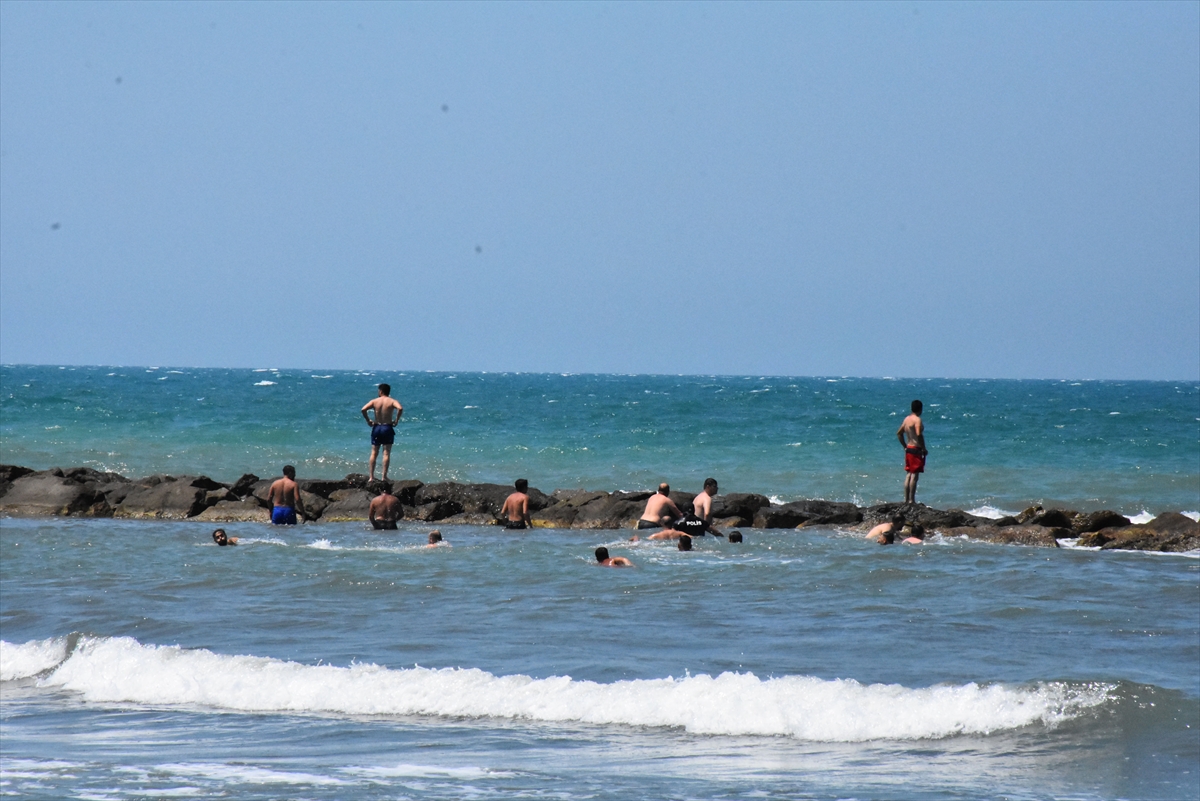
[[1129, 446], [328, 661]]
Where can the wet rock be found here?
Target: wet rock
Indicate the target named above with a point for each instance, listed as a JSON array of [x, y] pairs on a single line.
[[739, 506], [213, 497], [564, 507], [1010, 535], [807, 513], [435, 511], [235, 511], [618, 510], [1052, 518], [1170, 532], [38, 494], [347, 504], [924, 515], [322, 487], [1095, 521], [478, 499], [174, 499], [245, 485]]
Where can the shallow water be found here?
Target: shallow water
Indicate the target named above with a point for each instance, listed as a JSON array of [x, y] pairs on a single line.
[[328, 661]]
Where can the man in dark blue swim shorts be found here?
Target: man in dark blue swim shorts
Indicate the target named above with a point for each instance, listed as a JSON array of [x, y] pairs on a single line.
[[383, 426], [284, 498]]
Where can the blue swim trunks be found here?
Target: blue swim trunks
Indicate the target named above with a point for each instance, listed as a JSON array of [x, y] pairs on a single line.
[[283, 516], [383, 435]]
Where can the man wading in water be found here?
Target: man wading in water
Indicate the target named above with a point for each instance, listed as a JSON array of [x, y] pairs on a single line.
[[383, 427], [912, 436]]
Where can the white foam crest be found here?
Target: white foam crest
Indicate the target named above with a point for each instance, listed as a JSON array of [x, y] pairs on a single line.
[[1194, 515], [264, 383], [120, 669], [246, 774], [20, 661], [403, 771], [990, 512], [1142, 517]]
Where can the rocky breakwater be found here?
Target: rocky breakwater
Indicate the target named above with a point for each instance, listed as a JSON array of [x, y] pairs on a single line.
[[84, 492]]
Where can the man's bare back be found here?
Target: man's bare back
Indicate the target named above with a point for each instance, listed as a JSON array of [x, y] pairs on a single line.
[[912, 436], [283, 492], [386, 411], [660, 507], [515, 511], [384, 511]]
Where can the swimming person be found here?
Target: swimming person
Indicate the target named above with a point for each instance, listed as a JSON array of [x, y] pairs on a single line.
[[435, 539], [385, 510], [515, 511], [223, 539], [605, 560], [735, 536], [284, 498], [912, 436], [383, 426], [685, 543], [656, 514]]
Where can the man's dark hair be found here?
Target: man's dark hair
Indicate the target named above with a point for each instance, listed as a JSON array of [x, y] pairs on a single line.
[[917, 407], [685, 543], [435, 536], [521, 485], [601, 554], [889, 537], [664, 488], [897, 519], [217, 539], [710, 482], [735, 536], [289, 471], [386, 389]]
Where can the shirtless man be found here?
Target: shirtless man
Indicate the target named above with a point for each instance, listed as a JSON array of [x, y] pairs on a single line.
[[284, 498], [385, 510], [660, 509], [387, 413], [604, 560], [702, 508], [435, 539], [515, 511], [885, 533], [912, 436]]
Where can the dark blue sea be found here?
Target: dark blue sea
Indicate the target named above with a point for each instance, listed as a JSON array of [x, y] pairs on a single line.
[[328, 661]]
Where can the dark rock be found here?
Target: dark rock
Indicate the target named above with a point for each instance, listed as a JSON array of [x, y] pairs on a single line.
[[406, 491], [484, 499], [807, 513], [167, 500], [314, 505], [1007, 520], [322, 487], [347, 504], [1170, 532], [924, 515], [683, 500], [1095, 521], [357, 480], [245, 485], [618, 510], [743, 505], [1051, 518], [564, 507], [1010, 535], [213, 497], [435, 510], [11, 472], [206, 483], [36, 494], [86, 475]]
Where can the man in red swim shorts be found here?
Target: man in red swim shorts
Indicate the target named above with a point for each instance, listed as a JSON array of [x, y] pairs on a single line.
[[912, 436]]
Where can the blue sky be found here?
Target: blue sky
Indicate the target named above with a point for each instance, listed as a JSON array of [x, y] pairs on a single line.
[[897, 189]]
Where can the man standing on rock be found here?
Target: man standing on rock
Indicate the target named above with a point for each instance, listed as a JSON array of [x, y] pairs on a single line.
[[383, 427], [912, 436], [284, 498], [660, 509], [515, 512], [385, 510]]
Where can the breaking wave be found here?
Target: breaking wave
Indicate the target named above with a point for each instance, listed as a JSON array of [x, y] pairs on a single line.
[[122, 670]]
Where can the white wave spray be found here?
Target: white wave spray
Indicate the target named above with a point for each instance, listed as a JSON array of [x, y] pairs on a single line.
[[122, 670]]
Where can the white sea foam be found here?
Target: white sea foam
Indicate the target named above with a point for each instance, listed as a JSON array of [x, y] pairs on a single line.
[[264, 383], [1142, 517], [122, 670], [990, 512], [31, 658], [1194, 515]]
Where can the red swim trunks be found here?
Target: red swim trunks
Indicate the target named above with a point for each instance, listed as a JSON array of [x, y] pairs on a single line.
[[914, 461]]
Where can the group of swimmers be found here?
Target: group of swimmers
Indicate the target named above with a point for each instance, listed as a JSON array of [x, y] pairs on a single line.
[[221, 538]]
